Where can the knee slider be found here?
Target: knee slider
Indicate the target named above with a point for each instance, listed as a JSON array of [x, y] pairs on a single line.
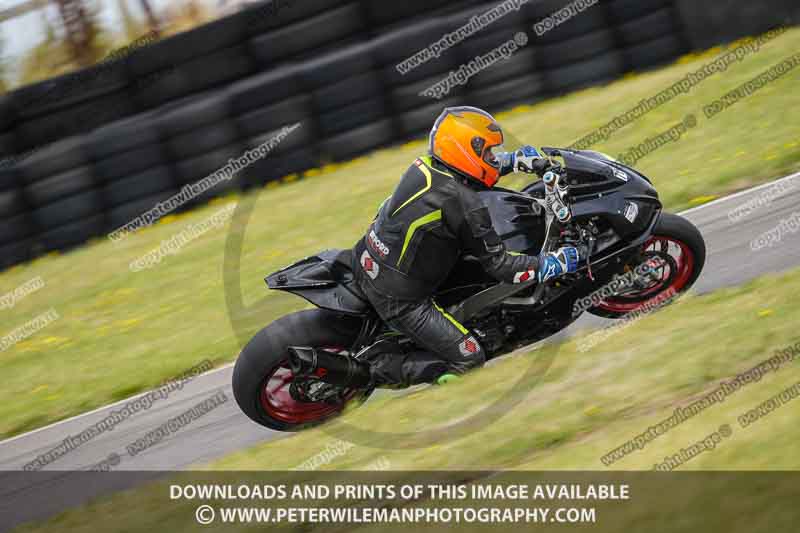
[[471, 351]]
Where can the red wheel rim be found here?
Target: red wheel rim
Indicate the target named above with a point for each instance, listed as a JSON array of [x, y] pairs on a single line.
[[675, 275], [277, 401]]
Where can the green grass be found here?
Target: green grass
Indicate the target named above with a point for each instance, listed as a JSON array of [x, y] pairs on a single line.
[[123, 332], [586, 405]]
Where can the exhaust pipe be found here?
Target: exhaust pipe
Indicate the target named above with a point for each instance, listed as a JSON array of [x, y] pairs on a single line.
[[340, 370]]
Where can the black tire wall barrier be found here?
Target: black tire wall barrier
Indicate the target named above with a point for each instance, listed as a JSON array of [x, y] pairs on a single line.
[[727, 20], [84, 153]]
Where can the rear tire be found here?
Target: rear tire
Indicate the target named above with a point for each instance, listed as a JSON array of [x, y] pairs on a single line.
[[671, 231], [267, 351]]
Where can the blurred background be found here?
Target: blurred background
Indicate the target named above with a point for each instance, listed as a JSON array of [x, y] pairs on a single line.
[[110, 106], [44, 38]]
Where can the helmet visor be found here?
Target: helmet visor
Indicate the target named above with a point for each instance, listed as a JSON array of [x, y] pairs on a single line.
[[492, 155]]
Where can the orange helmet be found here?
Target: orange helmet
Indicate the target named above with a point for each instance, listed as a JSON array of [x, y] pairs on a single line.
[[468, 140]]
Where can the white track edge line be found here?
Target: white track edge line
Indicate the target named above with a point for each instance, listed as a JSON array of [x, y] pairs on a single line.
[[741, 193]]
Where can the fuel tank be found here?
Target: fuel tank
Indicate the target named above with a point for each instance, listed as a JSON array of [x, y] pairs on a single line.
[[520, 223], [517, 218]]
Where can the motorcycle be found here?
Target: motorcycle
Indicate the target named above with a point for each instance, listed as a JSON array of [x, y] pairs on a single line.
[[608, 210]]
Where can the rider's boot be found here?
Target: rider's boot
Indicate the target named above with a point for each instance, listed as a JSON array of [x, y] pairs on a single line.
[[401, 370], [378, 369]]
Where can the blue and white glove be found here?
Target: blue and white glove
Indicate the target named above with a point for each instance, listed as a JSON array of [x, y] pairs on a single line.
[[555, 264], [528, 160]]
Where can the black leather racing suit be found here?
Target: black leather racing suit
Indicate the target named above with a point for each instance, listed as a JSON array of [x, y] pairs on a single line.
[[433, 218]]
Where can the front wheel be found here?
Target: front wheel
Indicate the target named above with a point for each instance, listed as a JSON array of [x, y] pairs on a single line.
[[679, 251], [263, 383]]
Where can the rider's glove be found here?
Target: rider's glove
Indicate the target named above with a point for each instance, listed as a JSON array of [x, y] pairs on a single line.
[[563, 261], [528, 160]]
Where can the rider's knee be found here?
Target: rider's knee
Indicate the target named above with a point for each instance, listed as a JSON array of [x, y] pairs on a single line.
[[471, 353]]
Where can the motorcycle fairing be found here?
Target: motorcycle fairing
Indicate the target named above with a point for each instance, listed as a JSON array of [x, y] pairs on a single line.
[[325, 280]]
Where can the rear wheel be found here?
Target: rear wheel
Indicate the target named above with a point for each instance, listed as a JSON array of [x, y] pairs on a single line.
[[677, 252], [263, 383]]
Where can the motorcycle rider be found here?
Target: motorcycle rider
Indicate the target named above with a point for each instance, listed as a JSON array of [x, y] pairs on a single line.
[[434, 217]]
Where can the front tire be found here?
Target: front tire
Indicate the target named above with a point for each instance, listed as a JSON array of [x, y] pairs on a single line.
[[262, 377], [681, 244]]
